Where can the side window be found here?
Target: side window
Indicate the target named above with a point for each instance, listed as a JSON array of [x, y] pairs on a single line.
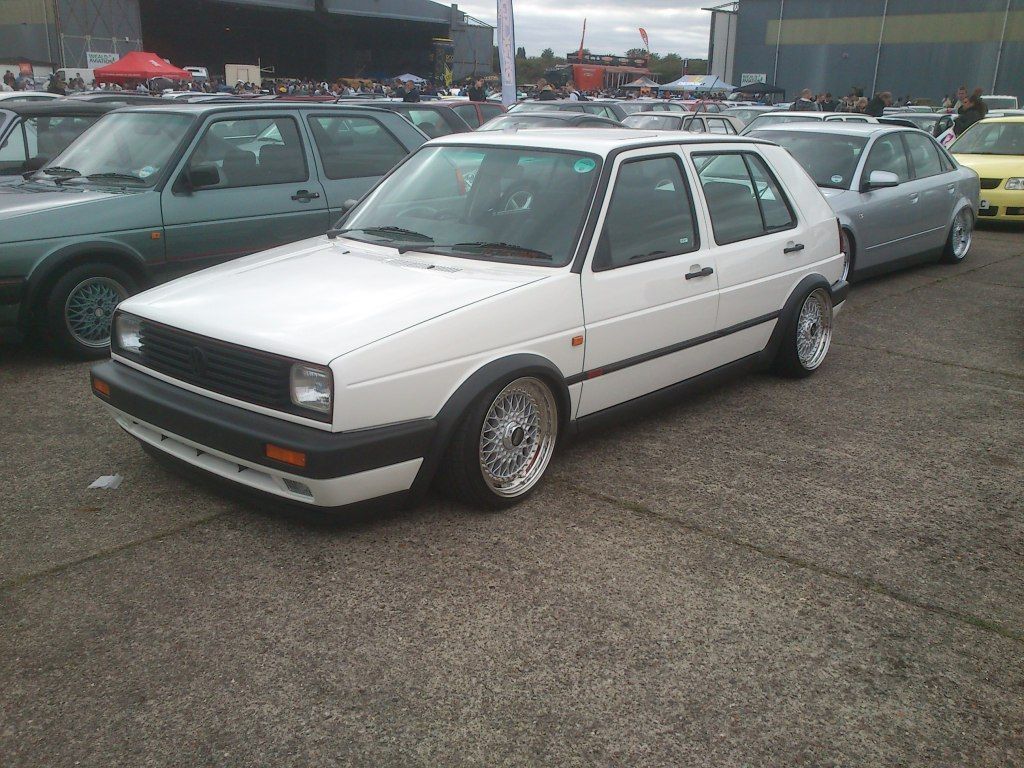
[[696, 125], [490, 110], [468, 113], [743, 197], [650, 215], [717, 125], [13, 152], [923, 154], [253, 151], [428, 121], [887, 154], [354, 147]]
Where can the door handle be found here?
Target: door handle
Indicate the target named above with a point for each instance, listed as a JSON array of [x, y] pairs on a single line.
[[793, 248], [914, 197], [951, 189], [700, 273], [304, 195]]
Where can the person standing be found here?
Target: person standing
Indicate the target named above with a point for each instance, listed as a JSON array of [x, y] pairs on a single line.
[[545, 92], [876, 107], [972, 110], [961, 97], [410, 95], [829, 104], [477, 92], [805, 103]]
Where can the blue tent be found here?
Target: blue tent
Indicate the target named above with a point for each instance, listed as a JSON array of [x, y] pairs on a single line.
[[698, 84]]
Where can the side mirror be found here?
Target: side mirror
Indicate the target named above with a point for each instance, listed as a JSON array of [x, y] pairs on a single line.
[[202, 176], [348, 205], [882, 180]]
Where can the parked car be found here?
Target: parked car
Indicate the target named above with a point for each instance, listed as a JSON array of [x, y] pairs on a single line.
[[994, 149], [528, 120], [434, 118], [703, 122], [934, 123], [899, 196], [28, 96], [997, 102], [446, 330], [148, 193], [121, 98], [633, 106], [782, 117], [611, 109], [34, 132], [748, 112], [476, 113]]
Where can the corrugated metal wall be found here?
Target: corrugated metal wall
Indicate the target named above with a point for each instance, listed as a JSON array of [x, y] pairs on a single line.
[[919, 48]]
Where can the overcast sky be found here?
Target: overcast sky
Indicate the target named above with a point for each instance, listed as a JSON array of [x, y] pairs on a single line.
[[673, 26]]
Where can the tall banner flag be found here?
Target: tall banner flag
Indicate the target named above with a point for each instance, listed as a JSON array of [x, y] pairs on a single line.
[[579, 55], [507, 52], [643, 36]]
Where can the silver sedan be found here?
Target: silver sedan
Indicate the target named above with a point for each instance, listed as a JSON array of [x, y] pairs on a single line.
[[899, 196]]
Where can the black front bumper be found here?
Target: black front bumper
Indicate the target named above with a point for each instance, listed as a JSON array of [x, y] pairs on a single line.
[[839, 290], [244, 434]]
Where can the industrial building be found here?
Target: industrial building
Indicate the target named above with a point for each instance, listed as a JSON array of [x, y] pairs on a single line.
[[917, 48], [320, 39]]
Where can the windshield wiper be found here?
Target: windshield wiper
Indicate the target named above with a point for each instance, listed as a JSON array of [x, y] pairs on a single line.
[[116, 175], [385, 230], [59, 173], [486, 246]]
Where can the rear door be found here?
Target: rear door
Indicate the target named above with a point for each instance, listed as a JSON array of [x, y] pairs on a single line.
[[650, 290], [352, 152], [267, 191], [935, 187]]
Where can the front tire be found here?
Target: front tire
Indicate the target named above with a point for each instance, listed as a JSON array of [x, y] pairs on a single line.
[[807, 337], [503, 445], [961, 235], [79, 309]]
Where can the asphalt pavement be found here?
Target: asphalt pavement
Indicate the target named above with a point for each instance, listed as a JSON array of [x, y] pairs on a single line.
[[827, 572]]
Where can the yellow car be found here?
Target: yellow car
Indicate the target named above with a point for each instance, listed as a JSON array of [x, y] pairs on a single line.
[[994, 149]]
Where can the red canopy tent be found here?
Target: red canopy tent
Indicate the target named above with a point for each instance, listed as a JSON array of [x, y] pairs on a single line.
[[139, 65]]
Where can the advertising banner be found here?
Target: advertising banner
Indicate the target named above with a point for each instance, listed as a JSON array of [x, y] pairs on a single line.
[[94, 59], [507, 52]]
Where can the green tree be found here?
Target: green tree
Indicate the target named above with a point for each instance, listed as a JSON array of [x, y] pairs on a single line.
[[520, 53], [547, 55]]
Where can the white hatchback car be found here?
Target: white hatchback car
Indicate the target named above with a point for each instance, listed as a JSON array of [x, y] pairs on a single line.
[[490, 296]]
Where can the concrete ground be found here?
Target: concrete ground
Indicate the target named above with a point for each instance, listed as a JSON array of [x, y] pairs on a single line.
[[819, 573]]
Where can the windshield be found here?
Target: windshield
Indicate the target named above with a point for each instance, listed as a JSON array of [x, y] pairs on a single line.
[[775, 118], [829, 158], [128, 147], [526, 120], [991, 139], [654, 122], [496, 203], [746, 115], [1000, 102]]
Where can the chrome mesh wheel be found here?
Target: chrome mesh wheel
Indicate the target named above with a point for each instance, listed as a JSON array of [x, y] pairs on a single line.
[[962, 234], [814, 329], [89, 309], [518, 437]]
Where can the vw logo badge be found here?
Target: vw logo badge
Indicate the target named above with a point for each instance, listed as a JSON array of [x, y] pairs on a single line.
[[198, 361]]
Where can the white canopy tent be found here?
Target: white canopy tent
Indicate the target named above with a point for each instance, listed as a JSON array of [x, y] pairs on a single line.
[[698, 84], [407, 77]]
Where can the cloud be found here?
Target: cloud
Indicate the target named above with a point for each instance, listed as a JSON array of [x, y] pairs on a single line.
[[674, 26]]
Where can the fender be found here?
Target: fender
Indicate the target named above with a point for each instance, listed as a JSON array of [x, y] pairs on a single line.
[[48, 266], [494, 372], [791, 309]]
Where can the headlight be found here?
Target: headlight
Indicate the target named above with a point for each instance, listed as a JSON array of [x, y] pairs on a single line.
[[311, 387], [127, 330], [1017, 182]]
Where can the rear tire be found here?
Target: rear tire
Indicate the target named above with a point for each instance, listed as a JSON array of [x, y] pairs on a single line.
[[807, 336], [502, 446], [961, 235], [79, 308]]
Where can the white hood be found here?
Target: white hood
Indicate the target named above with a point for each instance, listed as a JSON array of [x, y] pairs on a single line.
[[317, 299]]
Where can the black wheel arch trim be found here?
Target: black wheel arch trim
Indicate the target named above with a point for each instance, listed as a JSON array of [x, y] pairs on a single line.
[[485, 377]]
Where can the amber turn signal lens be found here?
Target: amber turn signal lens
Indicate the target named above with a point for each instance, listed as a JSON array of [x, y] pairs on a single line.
[[577, 341], [100, 387], [285, 455]]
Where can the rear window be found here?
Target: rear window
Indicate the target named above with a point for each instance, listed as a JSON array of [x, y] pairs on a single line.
[[830, 159]]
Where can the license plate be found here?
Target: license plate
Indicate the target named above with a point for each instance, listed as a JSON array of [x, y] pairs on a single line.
[[983, 205]]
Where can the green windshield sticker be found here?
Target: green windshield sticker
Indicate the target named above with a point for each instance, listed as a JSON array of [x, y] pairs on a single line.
[[584, 165]]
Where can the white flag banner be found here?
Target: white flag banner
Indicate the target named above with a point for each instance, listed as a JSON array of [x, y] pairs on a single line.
[[947, 137], [507, 52]]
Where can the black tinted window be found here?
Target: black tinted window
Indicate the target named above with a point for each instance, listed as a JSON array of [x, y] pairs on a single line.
[[253, 151], [887, 155], [468, 113], [924, 153], [743, 198], [353, 147], [650, 215]]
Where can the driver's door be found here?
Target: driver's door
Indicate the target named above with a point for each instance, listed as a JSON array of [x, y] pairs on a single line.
[[266, 194]]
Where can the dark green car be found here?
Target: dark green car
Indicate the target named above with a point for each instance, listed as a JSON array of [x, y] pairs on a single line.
[[150, 193]]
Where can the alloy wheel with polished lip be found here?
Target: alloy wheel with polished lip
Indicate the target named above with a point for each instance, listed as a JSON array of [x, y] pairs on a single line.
[[89, 309]]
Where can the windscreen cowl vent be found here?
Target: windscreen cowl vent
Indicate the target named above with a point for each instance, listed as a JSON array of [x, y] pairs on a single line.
[[413, 264]]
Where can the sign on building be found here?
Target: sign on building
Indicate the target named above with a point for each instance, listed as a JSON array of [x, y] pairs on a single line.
[[95, 59], [753, 77]]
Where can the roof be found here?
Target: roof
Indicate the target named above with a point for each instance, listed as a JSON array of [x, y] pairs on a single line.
[[56, 107], [1005, 119], [206, 107], [599, 141], [837, 126]]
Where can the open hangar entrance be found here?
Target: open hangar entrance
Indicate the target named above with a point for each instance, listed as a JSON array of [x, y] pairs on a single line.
[[314, 44]]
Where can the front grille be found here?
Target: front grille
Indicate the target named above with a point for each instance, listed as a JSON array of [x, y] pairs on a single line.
[[990, 183], [1015, 211], [244, 374]]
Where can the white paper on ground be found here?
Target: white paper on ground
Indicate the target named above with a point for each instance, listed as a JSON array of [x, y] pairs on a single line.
[[112, 482]]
